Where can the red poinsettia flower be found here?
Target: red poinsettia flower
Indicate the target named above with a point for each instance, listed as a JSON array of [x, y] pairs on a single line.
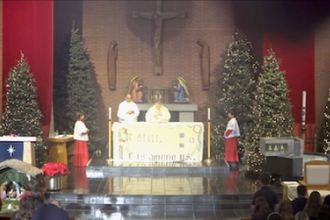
[[52, 169]]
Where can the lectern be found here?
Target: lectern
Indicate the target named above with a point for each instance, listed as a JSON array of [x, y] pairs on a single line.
[[20, 148]]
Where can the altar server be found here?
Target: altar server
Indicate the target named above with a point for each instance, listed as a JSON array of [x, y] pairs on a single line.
[[128, 111], [81, 137], [158, 113], [231, 134]]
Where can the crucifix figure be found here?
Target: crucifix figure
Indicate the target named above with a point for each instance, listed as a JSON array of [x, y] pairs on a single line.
[[158, 17]]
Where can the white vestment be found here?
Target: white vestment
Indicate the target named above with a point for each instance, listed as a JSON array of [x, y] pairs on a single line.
[[158, 116], [233, 125], [80, 131], [125, 107]]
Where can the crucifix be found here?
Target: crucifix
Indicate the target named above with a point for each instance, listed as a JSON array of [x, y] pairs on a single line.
[[158, 18]]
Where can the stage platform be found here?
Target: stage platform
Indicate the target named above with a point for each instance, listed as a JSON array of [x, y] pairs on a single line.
[[156, 191]]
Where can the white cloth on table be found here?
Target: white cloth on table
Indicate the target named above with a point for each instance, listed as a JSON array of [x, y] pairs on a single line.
[[125, 107]]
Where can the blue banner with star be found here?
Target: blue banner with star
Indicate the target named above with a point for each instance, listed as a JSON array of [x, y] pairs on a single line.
[[11, 150]]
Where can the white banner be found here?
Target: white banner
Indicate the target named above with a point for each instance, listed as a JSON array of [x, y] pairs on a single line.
[[170, 142]]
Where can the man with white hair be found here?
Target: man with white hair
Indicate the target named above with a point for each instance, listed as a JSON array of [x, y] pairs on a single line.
[[158, 113]]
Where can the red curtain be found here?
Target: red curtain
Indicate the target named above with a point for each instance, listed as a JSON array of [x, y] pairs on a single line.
[[28, 27], [297, 59]]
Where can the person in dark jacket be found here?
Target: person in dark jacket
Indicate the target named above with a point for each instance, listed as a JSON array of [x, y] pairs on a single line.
[[299, 203]]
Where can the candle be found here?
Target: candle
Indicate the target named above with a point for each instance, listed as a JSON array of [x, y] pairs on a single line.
[[110, 113], [208, 114], [304, 99]]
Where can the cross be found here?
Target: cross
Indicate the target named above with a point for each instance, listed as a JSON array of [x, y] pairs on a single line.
[[158, 17]]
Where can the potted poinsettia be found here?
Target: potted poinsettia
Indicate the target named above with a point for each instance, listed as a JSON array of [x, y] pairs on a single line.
[[53, 173]]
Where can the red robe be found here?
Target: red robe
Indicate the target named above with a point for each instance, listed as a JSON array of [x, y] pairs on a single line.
[[231, 153], [81, 157]]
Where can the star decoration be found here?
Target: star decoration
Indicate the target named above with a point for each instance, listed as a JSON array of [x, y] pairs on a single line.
[[11, 150]]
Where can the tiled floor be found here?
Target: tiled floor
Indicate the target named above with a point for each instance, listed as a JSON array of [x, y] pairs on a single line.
[[184, 196]]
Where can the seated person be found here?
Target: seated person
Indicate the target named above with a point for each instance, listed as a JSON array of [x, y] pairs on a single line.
[[128, 111], [158, 114], [298, 204], [266, 192], [302, 215], [286, 210], [313, 205], [261, 210], [275, 216]]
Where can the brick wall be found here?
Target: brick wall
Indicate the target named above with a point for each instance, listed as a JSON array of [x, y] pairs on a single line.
[[212, 21], [322, 70], [104, 21]]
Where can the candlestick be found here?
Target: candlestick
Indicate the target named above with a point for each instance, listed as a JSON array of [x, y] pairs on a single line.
[[208, 114], [109, 113], [304, 94]]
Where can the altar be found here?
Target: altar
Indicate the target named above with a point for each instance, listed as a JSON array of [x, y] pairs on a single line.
[[168, 142]]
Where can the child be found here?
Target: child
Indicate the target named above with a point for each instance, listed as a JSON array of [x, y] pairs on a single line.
[[81, 137], [299, 203], [266, 192]]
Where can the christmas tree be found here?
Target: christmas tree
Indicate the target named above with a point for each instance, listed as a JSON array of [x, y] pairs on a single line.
[[61, 121], [80, 89], [236, 83], [324, 143], [271, 111], [22, 116]]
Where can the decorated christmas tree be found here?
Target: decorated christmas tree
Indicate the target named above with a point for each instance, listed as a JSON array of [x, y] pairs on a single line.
[[271, 111], [324, 143], [236, 83], [81, 90], [22, 116]]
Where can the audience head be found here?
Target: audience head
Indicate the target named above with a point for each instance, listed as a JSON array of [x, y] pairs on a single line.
[[286, 210], [261, 205], [274, 216], [26, 208], [38, 194], [327, 200], [301, 216], [36, 183], [324, 212], [302, 191], [264, 178], [313, 204], [57, 203]]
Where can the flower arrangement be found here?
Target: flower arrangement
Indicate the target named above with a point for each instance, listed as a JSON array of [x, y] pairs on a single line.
[[52, 169]]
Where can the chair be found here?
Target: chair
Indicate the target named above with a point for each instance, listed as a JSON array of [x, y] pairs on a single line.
[[317, 176]]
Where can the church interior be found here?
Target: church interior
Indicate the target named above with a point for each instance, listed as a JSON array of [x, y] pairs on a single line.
[[174, 53]]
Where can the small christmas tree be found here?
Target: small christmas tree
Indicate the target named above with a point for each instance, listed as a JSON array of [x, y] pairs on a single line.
[[22, 116], [324, 144], [236, 83], [271, 111], [80, 89]]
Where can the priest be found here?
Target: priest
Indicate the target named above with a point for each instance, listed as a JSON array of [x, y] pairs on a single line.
[[128, 111], [158, 113]]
